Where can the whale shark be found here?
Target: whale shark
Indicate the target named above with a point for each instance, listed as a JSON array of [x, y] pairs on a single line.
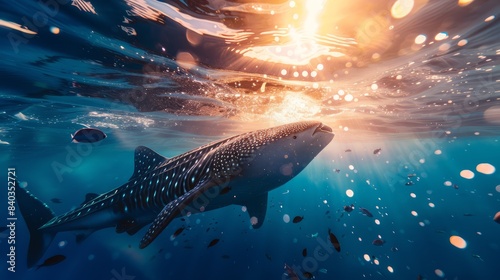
[[239, 170]]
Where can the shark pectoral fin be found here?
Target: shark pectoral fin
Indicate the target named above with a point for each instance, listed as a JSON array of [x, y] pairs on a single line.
[[257, 208], [146, 160], [172, 210]]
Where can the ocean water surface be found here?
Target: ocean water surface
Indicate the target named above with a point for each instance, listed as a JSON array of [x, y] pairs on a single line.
[[409, 87]]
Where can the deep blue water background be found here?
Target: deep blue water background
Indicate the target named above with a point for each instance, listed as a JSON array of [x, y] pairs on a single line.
[[149, 74]]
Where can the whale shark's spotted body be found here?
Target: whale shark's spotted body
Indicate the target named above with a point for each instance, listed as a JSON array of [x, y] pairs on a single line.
[[238, 170]]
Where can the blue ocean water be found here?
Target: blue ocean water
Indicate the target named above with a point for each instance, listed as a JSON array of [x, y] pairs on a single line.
[[410, 89]]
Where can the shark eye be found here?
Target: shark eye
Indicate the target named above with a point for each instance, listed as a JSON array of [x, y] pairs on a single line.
[[294, 137]]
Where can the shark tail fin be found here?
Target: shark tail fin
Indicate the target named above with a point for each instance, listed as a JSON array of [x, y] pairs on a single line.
[[35, 214]]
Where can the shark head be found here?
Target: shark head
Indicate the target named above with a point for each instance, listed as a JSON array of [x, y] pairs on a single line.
[[271, 157]]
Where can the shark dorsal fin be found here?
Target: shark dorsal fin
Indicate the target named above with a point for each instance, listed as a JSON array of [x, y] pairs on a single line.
[[145, 160]]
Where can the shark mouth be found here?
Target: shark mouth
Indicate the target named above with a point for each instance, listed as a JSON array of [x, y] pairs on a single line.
[[323, 128]]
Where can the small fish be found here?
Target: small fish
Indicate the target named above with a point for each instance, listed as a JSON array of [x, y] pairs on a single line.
[[348, 151], [409, 183], [297, 219], [268, 256], [88, 135], [213, 242], [52, 261], [349, 208], [56, 200], [308, 275], [377, 151], [327, 212], [304, 252], [314, 235], [468, 214], [394, 249], [455, 186], [336, 170], [478, 257], [378, 242], [225, 190], [365, 212], [177, 232], [334, 240]]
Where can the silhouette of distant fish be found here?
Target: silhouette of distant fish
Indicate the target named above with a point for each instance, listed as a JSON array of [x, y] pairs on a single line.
[[56, 200], [377, 151], [365, 212], [88, 135], [177, 232], [297, 219], [349, 208], [378, 242], [334, 240], [213, 242], [52, 261]]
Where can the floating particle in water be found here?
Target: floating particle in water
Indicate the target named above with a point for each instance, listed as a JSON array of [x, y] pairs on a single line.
[[23, 184], [438, 152], [323, 270], [366, 257], [349, 193], [422, 224], [243, 208], [21, 116], [467, 174], [286, 218], [409, 183], [254, 220], [462, 43], [374, 86], [414, 213], [283, 72], [62, 243], [458, 241], [390, 269], [497, 217], [485, 168], [447, 183], [441, 36], [431, 205], [490, 18], [377, 221], [55, 30], [351, 167], [413, 195], [420, 39], [439, 272], [463, 3], [401, 8], [497, 188]]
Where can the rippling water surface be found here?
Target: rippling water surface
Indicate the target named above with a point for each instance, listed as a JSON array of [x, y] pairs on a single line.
[[416, 80]]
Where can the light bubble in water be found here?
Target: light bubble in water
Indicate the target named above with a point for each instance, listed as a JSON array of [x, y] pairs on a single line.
[[444, 47], [349, 193], [485, 168], [366, 257], [283, 72], [467, 174], [422, 224], [431, 205], [62, 243], [254, 220], [375, 261], [439, 272], [447, 183], [414, 213], [351, 167], [286, 218], [458, 241], [319, 67], [402, 8], [438, 152], [441, 36], [420, 39], [490, 18], [413, 195], [374, 86], [390, 269], [497, 188], [55, 30], [463, 3], [243, 208], [462, 42], [377, 221]]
